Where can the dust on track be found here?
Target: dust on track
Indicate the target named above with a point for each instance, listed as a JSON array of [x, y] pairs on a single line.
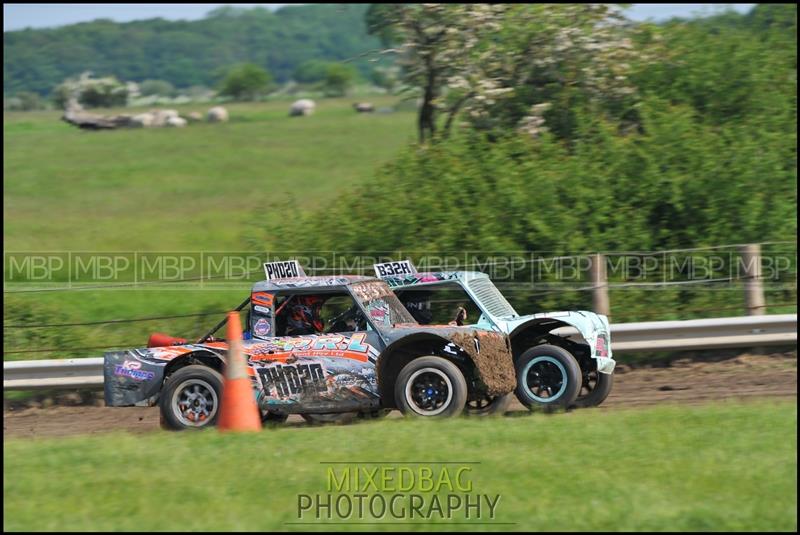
[[683, 381]]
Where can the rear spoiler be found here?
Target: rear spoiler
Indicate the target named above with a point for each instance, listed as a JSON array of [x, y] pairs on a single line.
[[394, 269]]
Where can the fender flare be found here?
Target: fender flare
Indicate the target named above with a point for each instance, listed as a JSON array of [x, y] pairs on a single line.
[[588, 324], [203, 354]]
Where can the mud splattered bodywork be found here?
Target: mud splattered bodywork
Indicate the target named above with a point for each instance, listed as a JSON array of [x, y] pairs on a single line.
[[489, 352], [317, 373]]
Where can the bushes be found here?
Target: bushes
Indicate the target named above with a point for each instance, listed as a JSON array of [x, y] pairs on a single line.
[[246, 82], [24, 101], [91, 92], [679, 183]]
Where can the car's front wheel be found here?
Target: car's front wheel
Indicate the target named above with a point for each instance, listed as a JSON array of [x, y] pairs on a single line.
[[595, 387], [190, 398], [430, 386], [548, 378]]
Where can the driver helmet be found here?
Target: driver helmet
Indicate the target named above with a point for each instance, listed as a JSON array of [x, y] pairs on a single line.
[[418, 305], [304, 315]]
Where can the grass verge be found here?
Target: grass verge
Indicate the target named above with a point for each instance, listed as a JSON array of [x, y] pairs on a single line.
[[720, 467]]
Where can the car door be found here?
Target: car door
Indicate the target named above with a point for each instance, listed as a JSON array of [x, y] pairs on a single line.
[[328, 371]]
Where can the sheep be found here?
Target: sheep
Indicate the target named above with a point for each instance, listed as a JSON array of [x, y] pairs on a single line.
[[177, 122], [364, 107], [143, 120], [217, 114], [160, 117], [302, 107]]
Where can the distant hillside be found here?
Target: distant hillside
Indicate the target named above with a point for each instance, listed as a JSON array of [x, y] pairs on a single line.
[[186, 53]]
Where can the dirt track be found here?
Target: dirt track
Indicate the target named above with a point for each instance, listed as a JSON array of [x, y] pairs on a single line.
[[683, 381]]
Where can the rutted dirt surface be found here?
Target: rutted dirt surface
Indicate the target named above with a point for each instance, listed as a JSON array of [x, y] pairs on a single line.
[[683, 381]]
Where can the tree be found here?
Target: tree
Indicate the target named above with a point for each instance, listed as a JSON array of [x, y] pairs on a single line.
[[91, 92], [246, 82], [23, 101], [554, 60], [338, 79], [435, 43], [386, 77], [160, 88], [505, 65], [187, 53], [311, 71]]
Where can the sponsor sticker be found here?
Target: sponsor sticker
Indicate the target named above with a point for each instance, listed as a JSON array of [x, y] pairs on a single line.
[[262, 327], [132, 370], [393, 269], [263, 310], [379, 311]]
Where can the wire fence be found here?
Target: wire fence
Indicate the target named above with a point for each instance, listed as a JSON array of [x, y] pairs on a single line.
[[514, 290], [367, 269]]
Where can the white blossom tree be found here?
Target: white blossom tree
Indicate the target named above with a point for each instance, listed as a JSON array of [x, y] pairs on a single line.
[[507, 65]]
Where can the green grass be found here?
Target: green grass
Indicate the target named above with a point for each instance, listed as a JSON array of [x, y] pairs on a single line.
[[191, 189], [101, 305], [207, 187], [719, 467]]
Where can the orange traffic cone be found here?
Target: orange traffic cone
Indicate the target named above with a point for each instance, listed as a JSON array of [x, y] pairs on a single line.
[[238, 410]]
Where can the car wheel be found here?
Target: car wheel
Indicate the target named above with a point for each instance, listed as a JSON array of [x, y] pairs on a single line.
[[488, 405], [548, 378], [190, 398], [273, 418], [332, 418], [595, 387], [375, 414], [430, 386]]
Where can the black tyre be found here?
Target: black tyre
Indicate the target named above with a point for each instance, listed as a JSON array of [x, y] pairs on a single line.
[[375, 414], [595, 387], [488, 406], [273, 418], [332, 418], [548, 378], [430, 386], [190, 398]]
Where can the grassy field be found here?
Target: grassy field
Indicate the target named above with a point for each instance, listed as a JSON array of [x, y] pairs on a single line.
[[191, 189], [207, 187], [723, 467]]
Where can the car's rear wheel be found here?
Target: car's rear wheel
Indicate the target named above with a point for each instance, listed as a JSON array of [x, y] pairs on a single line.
[[488, 405], [332, 418], [548, 378], [190, 398], [430, 386], [273, 418]]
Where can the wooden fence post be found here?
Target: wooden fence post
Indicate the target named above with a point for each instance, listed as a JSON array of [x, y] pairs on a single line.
[[753, 289], [597, 273]]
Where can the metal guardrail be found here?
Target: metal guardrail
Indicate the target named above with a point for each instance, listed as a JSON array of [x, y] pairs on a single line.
[[713, 333], [53, 374], [746, 331]]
